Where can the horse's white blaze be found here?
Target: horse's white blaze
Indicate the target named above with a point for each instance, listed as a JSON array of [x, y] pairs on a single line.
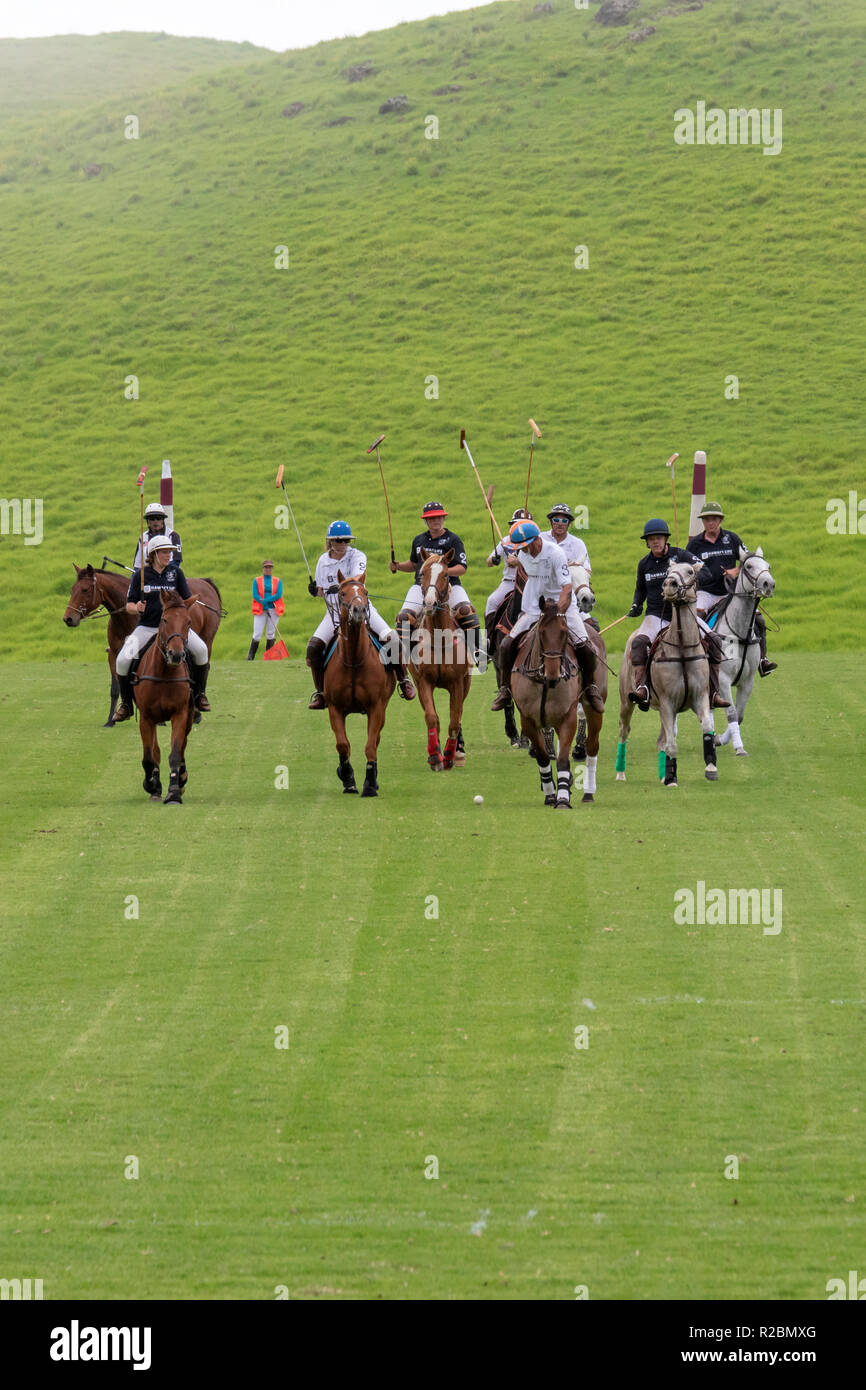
[[430, 595]]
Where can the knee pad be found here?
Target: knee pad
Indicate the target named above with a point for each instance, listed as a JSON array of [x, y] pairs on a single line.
[[464, 611], [314, 646], [640, 649]]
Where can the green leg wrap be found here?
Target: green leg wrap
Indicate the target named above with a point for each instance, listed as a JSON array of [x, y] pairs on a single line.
[[661, 767], [620, 757]]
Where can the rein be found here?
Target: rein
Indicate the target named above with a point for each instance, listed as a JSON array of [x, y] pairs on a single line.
[[344, 634]]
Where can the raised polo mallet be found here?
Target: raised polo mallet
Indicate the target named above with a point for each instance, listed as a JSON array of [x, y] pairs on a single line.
[[489, 500], [464, 445], [140, 485], [375, 445], [280, 483], [670, 464], [536, 434]]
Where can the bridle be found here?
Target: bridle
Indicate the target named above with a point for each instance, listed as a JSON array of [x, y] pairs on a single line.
[[442, 595], [163, 646], [98, 602], [344, 605]]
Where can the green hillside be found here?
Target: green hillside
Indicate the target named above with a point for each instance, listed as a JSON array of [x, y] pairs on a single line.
[[411, 258], [71, 70]]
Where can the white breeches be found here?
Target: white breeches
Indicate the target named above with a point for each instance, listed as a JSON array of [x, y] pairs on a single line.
[[498, 596], [652, 626], [328, 626], [414, 600], [268, 618], [573, 619], [140, 635], [706, 600]]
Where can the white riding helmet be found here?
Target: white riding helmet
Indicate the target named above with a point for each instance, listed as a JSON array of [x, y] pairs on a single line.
[[158, 543], [154, 509]]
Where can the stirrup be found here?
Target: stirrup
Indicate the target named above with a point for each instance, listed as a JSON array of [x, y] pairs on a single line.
[[765, 666], [203, 703], [122, 712], [406, 689], [317, 700], [503, 695]]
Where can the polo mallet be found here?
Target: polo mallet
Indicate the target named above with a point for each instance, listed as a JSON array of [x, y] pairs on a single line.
[[489, 500], [375, 445], [280, 483], [464, 445], [615, 623], [140, 486], [670, 464], [536, 434]]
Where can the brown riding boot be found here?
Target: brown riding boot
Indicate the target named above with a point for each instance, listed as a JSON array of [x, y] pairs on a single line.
[[316, 663], [586, 660], [640, 650], [507, 653], [404, 683]]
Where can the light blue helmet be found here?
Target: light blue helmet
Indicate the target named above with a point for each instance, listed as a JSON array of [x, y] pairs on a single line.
[[522, 532], [339, 531]]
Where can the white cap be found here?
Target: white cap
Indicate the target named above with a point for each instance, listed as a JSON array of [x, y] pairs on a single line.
[[158, 543]]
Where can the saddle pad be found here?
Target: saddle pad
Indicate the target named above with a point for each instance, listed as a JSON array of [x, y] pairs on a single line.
[[332, 645]]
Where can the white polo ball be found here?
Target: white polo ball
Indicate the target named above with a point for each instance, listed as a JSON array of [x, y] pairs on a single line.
[[479, 800]]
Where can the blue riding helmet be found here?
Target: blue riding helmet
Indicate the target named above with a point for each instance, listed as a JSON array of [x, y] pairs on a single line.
[[339, 531], [655, 527], [522, 533]]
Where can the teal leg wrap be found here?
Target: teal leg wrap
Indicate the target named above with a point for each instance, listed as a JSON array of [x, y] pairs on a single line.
[[620, 757], [661, 767]]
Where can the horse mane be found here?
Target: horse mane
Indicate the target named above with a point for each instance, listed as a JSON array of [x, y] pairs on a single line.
[[171, 598], [208, 580]]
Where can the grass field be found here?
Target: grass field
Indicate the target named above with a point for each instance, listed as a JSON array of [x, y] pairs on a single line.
[[412, 258], [413, 1036]]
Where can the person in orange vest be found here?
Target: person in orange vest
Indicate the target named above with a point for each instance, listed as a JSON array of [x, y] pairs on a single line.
[[268, 606]]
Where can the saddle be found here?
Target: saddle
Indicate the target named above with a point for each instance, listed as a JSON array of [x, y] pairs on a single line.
[[136, 661], [332, 645], [715, 613], [511, 607], [524, 652]]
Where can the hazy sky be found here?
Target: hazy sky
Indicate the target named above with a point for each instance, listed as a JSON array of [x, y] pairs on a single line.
[[275, 24]]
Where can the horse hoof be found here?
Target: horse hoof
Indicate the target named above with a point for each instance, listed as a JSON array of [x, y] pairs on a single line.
[[711, 773], [741, 752], [459, 757], [563, 805], [579, 754], [587, 796], [670, 784], [172, 801], [524, 743], [196, 719], [620, 776], [550, 801], [369, 791]]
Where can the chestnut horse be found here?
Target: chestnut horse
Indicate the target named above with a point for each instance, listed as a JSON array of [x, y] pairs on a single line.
[[357, 682], [162, 692], [439, 658], [97, 588], [545, 684]]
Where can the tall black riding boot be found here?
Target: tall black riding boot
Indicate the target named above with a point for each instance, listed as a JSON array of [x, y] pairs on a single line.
[[764, 666], [507, 652], [254, 646], [270, 642], [586, 660], [316, 663], [199, 676], [127, 701], [640, 650]]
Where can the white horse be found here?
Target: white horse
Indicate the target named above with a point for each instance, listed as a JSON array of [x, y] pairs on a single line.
[[582, 588], [679, 676], [735, 629]]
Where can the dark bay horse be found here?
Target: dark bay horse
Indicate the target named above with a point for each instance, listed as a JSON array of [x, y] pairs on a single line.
[[546, 688], [439, 659], [97, 588], [357, 682], [162, 692]]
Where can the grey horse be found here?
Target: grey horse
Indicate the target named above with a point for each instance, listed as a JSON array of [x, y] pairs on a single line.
[[680, 676], [735, 629]]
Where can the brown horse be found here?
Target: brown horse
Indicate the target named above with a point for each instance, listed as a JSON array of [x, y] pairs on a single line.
[[546, 688], [162, 692], [439, 659], [97, 588], [357, 682]]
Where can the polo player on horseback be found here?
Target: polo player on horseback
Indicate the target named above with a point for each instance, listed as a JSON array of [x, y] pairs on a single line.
[[560, 517], [143, 598], [352, 563], [156, 516], [437, 539], [651, 573], [548, 578], [503, 550], [720, 551]]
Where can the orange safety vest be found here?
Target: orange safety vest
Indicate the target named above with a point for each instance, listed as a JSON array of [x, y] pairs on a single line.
[[258, 604]]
